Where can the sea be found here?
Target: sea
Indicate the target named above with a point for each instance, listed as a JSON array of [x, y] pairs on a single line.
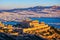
[[51, 21]]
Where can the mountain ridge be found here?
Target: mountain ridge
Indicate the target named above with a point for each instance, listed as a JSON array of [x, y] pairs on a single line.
[[31, 8]]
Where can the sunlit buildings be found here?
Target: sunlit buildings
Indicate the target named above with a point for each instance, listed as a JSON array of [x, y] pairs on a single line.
[[35, 25], [7, 29]]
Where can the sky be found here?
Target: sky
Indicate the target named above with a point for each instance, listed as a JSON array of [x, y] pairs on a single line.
[[10, 4]]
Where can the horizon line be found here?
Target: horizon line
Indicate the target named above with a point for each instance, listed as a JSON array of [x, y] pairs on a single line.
[[27, 7]]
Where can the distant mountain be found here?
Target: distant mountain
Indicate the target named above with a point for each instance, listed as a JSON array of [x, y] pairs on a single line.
[[35, 9], [24, 13]]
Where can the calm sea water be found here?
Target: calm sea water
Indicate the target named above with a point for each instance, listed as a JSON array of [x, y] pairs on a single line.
[[55, 22]]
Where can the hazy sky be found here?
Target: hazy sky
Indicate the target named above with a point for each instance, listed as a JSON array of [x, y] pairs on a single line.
[[8, 4]]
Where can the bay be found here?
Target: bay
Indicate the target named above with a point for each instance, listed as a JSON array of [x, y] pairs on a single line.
[[54, 22]]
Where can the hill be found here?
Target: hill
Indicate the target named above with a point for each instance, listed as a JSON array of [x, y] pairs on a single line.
[[24, 13]]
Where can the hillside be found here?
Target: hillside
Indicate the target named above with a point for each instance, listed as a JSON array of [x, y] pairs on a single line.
[[4, 36], [24, 13]]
